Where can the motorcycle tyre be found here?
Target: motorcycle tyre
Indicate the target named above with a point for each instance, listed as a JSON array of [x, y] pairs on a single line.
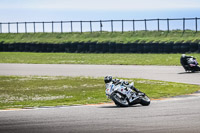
[[119, 104], [144, 101]]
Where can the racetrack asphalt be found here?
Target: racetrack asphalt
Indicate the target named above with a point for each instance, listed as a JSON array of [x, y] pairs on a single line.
[[165, 73], [174, 115]]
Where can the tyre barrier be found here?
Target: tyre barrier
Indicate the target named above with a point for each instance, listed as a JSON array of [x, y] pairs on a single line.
[[102, 47]]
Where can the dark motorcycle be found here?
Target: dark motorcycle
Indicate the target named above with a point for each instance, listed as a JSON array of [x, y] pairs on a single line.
[[191, 65]]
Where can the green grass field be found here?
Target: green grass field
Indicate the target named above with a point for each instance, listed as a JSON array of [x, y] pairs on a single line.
[[104, 37], [36, 91], [80, 58]]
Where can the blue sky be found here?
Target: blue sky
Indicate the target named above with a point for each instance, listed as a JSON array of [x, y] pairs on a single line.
[[129, 5], [51, 10], [100, 4], [67, 10]]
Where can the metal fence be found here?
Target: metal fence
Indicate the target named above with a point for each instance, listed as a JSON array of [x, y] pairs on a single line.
[[102, 25]]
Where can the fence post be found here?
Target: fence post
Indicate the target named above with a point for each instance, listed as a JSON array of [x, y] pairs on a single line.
[[91, 26], [183, 24], [122, 26], [133, 25], [43, 26], [34, 26], [17, 28], [145, 23], [8, 27], [112, 25], [25, 27], [196, 24], [158, 24], [101, 26], [61, 26], [52, 27], [168, 25], [71, 27], [81, 26]]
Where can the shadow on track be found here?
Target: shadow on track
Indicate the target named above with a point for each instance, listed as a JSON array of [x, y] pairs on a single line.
[[188, 72], [114, 106]]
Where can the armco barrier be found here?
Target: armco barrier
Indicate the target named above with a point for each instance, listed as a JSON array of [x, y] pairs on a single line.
[[199, 47], [102, 47], [194, 47], [185, 47], [155, 48]]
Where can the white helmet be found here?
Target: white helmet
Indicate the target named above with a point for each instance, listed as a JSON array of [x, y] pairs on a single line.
[[183, 55], [107, 79]]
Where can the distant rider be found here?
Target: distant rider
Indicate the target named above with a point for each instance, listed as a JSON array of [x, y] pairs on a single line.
[[109, 79], [184, 60]]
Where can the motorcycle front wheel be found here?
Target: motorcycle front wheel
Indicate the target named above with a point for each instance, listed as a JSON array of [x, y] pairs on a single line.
[[119, 100], [145, 100]]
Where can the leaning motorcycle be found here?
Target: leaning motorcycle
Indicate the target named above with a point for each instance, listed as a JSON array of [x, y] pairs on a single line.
[[124, 96], [192, 65]]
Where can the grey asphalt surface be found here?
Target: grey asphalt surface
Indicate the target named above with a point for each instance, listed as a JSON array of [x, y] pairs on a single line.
[[177, 115], [174, 115], [165, 73]]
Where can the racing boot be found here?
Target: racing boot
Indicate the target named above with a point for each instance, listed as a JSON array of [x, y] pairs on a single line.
[[135, 89], [138, 91]]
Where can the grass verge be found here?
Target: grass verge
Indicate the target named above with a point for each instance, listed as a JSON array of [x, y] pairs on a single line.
[[35, 91], [80, 58], [175, 36]]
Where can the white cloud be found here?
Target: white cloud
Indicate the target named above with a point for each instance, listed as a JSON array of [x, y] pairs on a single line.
[[101, 4]]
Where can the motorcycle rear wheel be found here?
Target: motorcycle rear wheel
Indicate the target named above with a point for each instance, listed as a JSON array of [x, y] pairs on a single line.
[[121, 102]]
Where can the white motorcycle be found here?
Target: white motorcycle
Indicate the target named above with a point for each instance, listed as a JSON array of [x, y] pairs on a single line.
[[124, 96]]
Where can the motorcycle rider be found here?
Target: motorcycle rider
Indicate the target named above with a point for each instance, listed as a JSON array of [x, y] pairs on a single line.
[[109, 79], [184, 61]]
